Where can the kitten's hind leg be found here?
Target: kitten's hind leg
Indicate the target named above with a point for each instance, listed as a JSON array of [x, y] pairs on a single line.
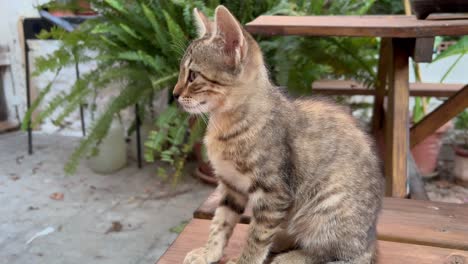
[[369, 257], [282, 242], [295, 257]]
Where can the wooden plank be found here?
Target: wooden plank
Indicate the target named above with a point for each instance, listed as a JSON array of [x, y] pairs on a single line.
[[396, 129], [195, 235], [391, 26], [441, 115], [424, 223], [423, 49], [402, 220], [347, 87], [8, 126], [385, 56]]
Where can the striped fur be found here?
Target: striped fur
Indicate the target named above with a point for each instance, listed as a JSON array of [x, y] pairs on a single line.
[[304, 164]]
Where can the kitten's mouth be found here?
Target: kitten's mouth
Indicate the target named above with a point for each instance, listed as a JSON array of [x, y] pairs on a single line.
[[199, 108]]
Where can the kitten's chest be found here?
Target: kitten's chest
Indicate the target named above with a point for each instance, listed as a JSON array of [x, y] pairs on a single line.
[[225, 168]]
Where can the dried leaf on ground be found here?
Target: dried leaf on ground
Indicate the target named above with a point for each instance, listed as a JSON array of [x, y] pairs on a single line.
[[58, 196], [14, 177], [116, 227], [178, 228], [444, 184]]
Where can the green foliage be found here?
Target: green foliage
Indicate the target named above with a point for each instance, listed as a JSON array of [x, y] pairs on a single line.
[[171, 141], [387, 7], [459, 49], [139, 43], [143, 55], [462, 123], [178, 228], [312, 58]]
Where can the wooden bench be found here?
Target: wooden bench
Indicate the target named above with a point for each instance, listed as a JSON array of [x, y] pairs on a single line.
[[195, 235], [409, 231], [347, 87]]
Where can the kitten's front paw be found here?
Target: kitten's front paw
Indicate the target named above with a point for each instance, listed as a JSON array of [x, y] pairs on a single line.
[[196, 256], [201, 256], [232, 261]]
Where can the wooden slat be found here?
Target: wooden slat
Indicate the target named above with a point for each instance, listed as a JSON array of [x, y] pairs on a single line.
[[441, 115], [402, 220], [347, 87], [424, 223], [195, 235], [423, 49], [385, 58], [358, 26], [397, 126]]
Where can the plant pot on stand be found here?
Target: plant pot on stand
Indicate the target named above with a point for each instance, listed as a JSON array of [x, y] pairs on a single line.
[[461, 164], [461, 150], [427, 152], [112, 155]]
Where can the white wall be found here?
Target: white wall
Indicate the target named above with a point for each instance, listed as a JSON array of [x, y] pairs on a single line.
[[11, 11], [14, 80]]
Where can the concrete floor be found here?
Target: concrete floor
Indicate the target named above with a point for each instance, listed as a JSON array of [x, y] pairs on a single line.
[[145, 207]]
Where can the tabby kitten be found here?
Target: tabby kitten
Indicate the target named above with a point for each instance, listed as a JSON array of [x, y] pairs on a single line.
[[305, 166]]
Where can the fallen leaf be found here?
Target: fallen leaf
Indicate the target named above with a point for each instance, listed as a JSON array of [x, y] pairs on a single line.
[[178, 228], [444, 184], [19, 159], [15, 177], [116, 227], [58, 196]]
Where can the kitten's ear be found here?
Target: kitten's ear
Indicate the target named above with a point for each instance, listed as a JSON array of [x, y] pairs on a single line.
[[204, 26], [230, 30]]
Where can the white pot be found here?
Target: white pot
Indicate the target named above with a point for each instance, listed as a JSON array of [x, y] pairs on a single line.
[[112, 154], [461, 165]]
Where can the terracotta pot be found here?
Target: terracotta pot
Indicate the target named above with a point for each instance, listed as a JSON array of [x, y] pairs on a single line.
[[426, 153], [85, 8], [460, 169]]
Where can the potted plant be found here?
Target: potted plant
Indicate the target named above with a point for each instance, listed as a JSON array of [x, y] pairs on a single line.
[[425, 153], [461, 150], [69, 7]]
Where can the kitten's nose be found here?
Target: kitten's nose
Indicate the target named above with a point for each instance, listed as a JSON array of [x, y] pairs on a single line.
[[176, 95]]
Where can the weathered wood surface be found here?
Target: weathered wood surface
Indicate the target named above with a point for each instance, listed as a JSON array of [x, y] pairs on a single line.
[[347, 87], [195, 235], [402, 220], [359, 26], [440, 116], [385, 58], [397, 121]]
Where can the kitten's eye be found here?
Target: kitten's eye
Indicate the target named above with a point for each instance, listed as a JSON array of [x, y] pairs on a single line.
[[192, 76]]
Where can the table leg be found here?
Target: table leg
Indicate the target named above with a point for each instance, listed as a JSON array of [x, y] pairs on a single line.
[[397, 127], [385, 58]]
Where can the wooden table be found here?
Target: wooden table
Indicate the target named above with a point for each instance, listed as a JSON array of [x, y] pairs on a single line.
[[402, 37], [409, 231]]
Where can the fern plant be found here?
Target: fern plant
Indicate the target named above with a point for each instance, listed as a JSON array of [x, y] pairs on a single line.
[[136, 43], [140, 43]]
